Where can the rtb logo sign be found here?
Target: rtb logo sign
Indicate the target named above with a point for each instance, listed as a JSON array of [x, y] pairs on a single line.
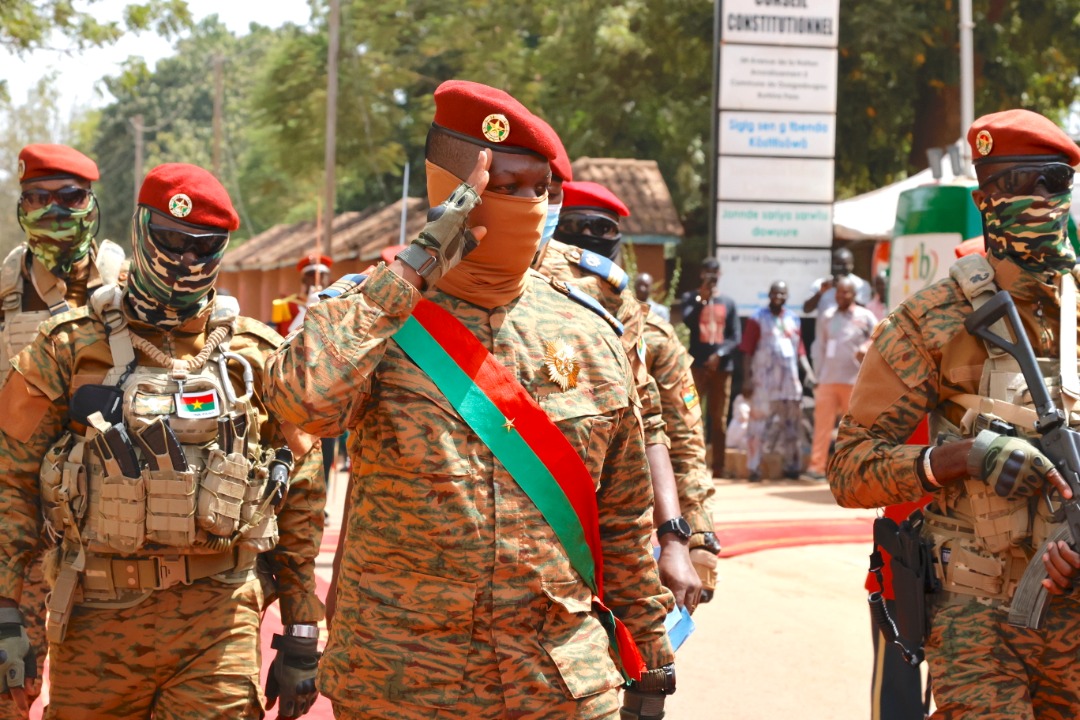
[[918, 261]]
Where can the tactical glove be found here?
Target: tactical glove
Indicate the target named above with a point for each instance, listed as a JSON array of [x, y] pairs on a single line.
[[1012, 466], [446, 234], [637, 705], [704, 547], [292, 675], [17, 660]]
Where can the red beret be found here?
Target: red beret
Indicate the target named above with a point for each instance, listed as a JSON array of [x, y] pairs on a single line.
[[47, 162], [490, 117], [314, 259], [586, 194], [189, 194], [560, 164], [1019, 133]]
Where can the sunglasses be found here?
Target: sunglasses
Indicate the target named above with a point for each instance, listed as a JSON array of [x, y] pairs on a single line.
[[595, 225], [1023, 179], [70, 196], [179, 241]]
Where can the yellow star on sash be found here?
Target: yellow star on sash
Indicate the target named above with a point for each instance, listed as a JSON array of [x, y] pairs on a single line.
[[509, 424]]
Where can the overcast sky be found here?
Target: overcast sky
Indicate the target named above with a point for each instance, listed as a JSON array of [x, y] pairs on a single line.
[[77, 75]]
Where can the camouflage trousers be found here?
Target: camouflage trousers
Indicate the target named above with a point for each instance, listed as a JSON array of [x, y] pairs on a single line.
[[985, 669], [32, 607], [187, 653]]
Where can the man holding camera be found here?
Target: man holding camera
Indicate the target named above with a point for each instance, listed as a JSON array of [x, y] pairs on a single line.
[[714, 335]]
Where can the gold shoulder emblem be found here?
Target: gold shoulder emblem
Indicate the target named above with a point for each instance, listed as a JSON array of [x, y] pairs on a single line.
[[561, 365]]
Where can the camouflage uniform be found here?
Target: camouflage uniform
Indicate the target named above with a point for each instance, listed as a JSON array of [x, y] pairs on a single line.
[[921, 360], [560, 261], [186, 648], [24, 280], [455, 598], [669, 364]]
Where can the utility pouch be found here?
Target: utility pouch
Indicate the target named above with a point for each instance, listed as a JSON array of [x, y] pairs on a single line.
[[123, 492], [221, 493], [913, 581], [170, 487]]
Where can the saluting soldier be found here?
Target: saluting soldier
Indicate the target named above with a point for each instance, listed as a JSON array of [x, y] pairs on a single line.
[[989, 510], [162, 480], [500, 500]]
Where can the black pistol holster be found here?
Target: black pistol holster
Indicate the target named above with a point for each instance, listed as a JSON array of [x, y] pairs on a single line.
[[913, 581]]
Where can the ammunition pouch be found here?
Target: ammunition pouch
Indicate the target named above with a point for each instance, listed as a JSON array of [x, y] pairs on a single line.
[[913, 582]]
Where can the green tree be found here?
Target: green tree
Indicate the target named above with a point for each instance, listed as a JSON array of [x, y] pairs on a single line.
[[899, 77]]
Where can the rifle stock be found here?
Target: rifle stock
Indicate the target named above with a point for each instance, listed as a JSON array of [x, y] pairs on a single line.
[[1056, 441]]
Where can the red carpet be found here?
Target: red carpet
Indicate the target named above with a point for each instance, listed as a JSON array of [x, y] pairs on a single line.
[[746, 537], [735, 538]]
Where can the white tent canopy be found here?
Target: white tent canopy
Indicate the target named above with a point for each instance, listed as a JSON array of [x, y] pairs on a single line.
[[872, 215]]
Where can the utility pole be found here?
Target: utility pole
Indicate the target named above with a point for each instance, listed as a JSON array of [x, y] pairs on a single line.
[[967, 81], [137, 125], [330, 158], [219, 101]]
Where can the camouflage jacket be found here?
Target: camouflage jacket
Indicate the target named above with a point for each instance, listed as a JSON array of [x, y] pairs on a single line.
[[444, 555], [921, 355], [559, 263], [72, 350], [668, 364]]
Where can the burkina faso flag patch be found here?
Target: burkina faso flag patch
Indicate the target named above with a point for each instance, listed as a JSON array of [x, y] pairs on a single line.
[[198, 404]]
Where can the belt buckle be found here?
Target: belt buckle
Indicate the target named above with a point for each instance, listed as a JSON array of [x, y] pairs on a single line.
[[171, 571]]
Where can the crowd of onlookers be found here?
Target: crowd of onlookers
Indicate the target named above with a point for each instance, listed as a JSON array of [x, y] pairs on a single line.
[[790, 395]]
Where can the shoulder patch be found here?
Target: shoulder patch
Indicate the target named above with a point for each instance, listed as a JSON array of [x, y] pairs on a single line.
[[343, 285], [11, 271], [589, 302], [605, 268]]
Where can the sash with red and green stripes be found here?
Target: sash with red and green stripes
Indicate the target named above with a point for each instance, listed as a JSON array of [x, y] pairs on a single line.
[[528, 444]]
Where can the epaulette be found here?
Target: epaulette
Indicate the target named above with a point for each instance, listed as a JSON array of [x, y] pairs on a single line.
[[342, 285], [589, 302], [71, 316], [604, 267]]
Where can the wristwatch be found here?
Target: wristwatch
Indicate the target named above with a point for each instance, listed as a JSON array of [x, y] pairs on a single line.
[[418, 259], [678, 525], [660, 680], [302, 631]]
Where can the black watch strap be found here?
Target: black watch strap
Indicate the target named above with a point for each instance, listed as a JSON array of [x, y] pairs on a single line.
[[678, 525]]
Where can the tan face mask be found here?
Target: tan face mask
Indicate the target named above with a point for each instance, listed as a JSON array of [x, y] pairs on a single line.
[[494, 273]]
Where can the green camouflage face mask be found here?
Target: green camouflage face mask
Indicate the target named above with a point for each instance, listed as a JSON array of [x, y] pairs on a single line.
[[59, 236], [1029, 230]]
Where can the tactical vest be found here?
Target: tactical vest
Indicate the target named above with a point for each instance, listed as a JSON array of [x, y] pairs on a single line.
[[983, 541], [175, 489], [18, 327]]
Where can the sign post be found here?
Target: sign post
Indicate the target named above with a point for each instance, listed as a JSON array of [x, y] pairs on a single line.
[[775, 145]]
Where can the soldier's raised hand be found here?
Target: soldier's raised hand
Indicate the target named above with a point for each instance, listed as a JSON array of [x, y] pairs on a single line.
[[447, 237]]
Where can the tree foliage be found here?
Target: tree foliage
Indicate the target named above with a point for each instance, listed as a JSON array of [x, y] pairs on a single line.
[[27, 25], [899, 76]]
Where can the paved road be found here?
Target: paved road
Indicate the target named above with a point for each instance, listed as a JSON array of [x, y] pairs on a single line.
[[788, 634]]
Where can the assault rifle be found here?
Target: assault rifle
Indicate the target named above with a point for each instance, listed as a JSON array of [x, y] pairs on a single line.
[[1056, 441]]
